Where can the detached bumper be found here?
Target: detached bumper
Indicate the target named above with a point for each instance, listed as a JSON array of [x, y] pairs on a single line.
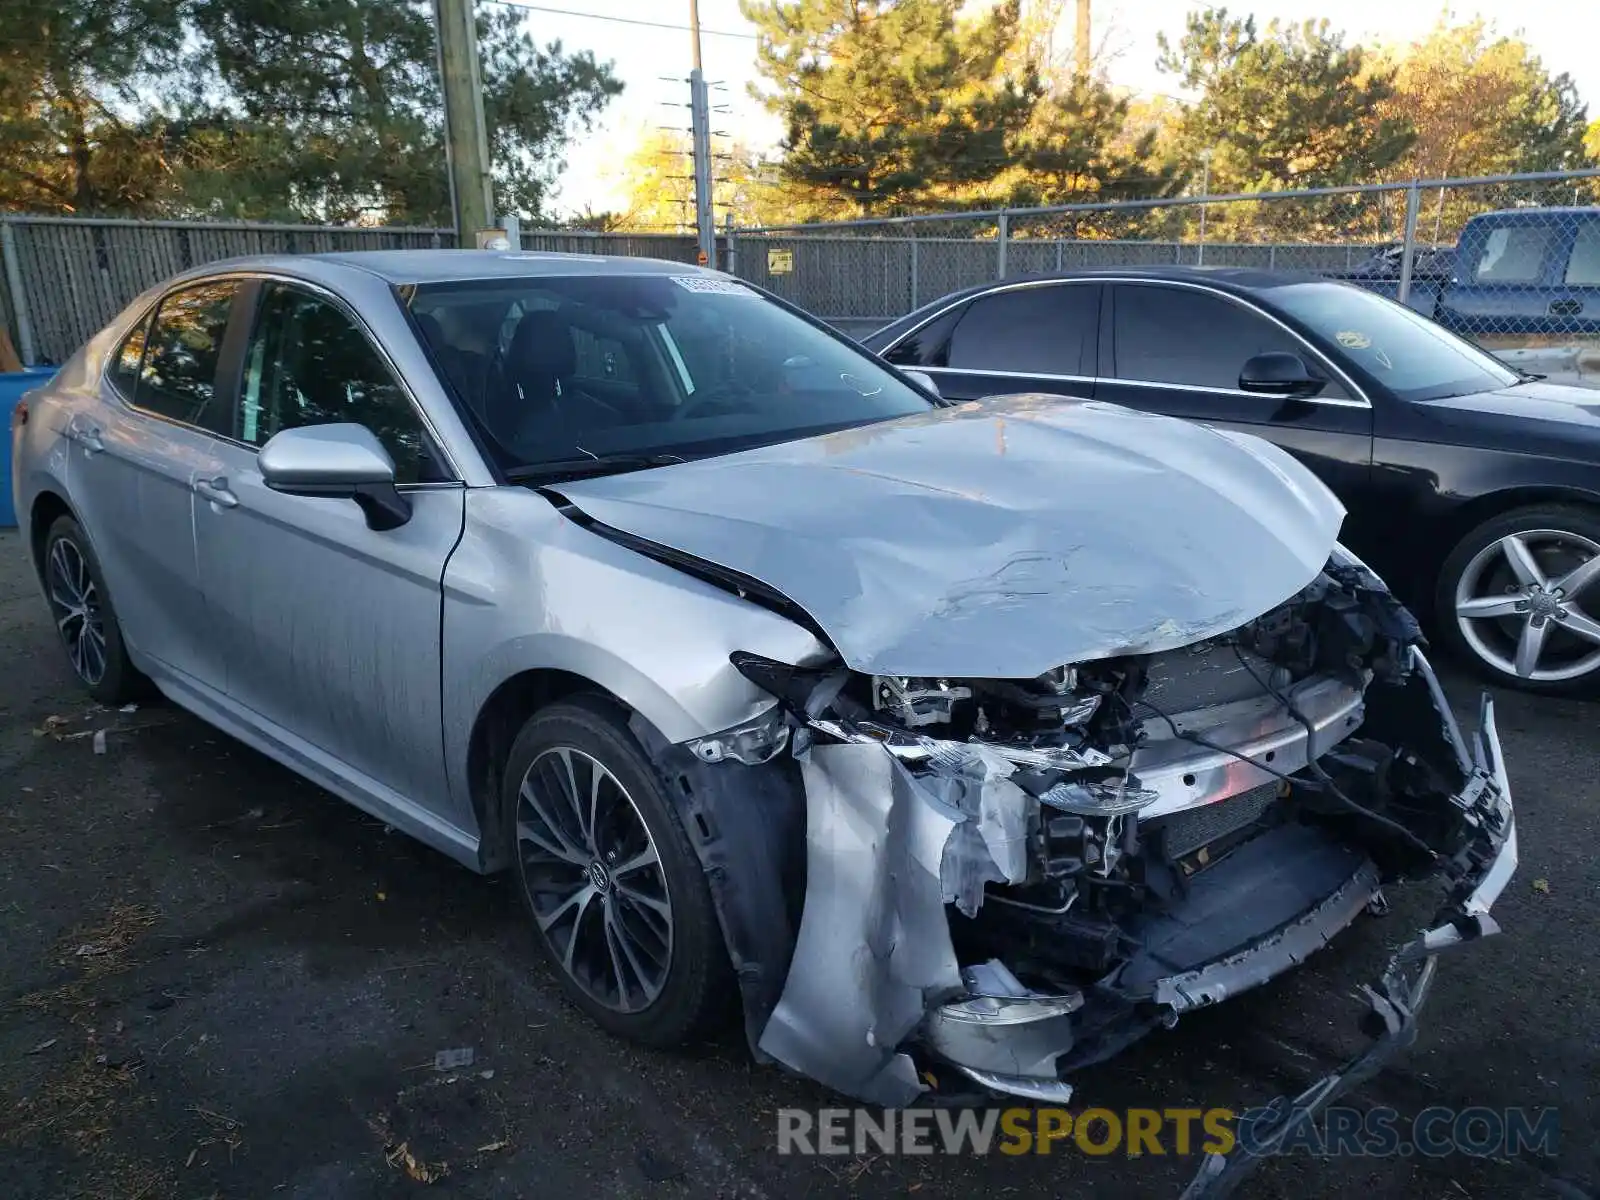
[[1399, 994]]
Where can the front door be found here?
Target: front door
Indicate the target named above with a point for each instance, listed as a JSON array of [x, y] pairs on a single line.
[[1028, 337], [332, 628], [1178, 351]]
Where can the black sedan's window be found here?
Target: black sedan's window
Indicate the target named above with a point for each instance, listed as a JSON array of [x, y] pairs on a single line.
[[1402, 350], [1046, 330], [1176, 335]]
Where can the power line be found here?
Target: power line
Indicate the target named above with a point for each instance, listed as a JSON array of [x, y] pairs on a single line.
[[567, 12]]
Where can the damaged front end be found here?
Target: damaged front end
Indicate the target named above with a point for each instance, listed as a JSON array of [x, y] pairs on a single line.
[[1015, 878]]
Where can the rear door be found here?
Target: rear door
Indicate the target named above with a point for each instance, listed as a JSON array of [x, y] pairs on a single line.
[[1575, 300], [1508, 270], [1026, 337], [136, 453], [1178, 351]]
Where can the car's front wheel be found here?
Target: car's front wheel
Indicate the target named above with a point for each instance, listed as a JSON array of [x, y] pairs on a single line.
[[1519, 596], [617, 896], [84, 616]]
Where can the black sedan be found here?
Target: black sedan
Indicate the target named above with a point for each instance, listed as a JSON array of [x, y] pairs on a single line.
[[1474, 489]]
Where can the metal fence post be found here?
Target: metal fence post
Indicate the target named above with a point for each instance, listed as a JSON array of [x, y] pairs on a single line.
[[913, 268], [1003, 225], [1408, 253], [19, 302], [730, 253]]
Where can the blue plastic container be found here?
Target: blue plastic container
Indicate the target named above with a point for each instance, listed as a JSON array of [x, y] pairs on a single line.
[[12, 385]]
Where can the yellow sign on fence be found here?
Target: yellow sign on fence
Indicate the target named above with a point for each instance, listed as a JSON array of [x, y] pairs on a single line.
[[780, 262]]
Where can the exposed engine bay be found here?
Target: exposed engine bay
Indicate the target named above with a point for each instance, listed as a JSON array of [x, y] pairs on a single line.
[[1043, 870]]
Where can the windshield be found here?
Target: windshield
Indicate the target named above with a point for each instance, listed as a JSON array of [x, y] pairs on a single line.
[[1401, 349], [634, 367]]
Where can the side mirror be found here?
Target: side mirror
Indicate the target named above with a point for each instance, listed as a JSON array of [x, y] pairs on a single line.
[[922, 379], [1279, 374], [341, 462]]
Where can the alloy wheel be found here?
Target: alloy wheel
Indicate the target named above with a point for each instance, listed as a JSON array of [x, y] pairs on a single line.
[[75, 602], [1520, 605], [594, 880]]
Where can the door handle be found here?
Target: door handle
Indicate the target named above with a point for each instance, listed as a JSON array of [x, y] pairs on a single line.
[[1565, 308], [216, 490], [88, 436]]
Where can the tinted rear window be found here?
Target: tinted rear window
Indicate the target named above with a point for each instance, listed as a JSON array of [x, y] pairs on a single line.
[[1046, 330]]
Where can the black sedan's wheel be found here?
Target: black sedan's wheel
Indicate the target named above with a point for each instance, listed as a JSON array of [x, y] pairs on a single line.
[[614, 888], [1520, 597], [84, 616]]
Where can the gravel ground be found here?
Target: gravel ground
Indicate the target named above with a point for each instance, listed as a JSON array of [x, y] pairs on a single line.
[[218, 980]]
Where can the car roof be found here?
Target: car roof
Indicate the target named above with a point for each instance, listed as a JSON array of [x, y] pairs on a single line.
[[441, 266], [1554, 212], [1227, 279]]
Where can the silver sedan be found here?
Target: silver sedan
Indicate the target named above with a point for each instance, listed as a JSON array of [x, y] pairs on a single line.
[[968, 739]]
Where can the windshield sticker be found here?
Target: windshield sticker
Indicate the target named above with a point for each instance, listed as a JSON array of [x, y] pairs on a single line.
[[709, 283], [1353, 339]]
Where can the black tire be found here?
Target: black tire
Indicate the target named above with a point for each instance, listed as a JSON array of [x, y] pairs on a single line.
[[697, 989], [102, 666], [1560, 630]]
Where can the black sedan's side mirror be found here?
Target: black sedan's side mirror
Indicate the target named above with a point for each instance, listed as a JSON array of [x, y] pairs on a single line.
[[1279, 374]]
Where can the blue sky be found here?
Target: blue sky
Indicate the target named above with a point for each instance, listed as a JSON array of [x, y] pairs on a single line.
[[1564, 33]]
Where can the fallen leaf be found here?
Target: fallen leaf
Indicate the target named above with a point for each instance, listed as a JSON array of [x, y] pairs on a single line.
[[43, 1046], [99, 741], [489, 1147], [1542, 886], [383, 895], [422, 1172]]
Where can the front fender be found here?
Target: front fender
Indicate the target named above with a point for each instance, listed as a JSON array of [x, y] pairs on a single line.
[[528, 590]]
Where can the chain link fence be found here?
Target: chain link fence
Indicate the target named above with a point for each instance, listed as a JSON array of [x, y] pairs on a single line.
[[1512, 262]]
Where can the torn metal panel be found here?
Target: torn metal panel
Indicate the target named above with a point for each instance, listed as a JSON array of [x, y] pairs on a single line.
[[874, 948], [931, 546], [991, 844]]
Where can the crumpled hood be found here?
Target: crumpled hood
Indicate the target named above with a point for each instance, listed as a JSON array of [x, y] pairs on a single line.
[[1000, 538]]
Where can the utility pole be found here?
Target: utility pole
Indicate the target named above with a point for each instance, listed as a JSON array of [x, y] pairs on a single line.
[[1081, 47], [700, 130], [466, 137]]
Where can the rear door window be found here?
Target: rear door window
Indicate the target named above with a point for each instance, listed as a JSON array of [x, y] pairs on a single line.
[[1513, 254], [178, 376], [1583, 267], [124, 371], [1047, 330]]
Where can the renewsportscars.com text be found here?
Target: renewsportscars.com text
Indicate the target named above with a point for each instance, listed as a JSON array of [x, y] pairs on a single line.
[[1338, 1131]]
